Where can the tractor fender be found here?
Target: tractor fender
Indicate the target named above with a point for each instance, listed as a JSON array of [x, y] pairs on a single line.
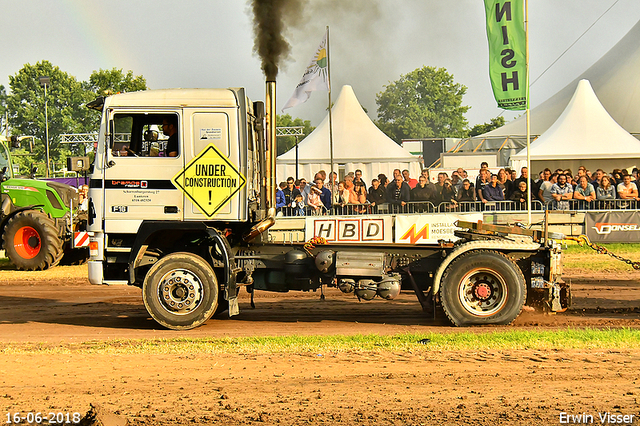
[[479, 245]]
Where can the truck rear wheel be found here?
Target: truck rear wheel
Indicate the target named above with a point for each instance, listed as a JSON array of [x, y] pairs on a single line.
[[31, 241], [180, 291], [482, 287]]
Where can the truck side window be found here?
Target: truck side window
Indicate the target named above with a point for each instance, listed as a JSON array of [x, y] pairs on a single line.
[[145, 135]]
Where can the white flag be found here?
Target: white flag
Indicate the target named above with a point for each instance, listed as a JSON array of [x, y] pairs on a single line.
[[315, 77]]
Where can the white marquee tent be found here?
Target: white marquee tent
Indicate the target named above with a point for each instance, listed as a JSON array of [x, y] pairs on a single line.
[[584, 134], [614, 78], [357, 144]]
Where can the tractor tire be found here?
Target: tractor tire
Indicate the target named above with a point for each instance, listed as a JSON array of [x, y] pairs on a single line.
[[482, 287], [180, 291], [31, 241]]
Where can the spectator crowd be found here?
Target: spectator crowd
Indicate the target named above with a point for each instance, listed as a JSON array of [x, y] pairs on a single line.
[[504, 190]]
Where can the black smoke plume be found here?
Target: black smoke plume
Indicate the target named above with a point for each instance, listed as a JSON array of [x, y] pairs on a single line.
[[270, 20]]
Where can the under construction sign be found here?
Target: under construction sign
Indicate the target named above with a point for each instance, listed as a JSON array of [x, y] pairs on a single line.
[[210, 180]]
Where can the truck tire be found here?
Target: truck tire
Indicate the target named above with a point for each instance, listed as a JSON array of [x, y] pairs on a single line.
[[31, 241], [180, 291], [482, 287]]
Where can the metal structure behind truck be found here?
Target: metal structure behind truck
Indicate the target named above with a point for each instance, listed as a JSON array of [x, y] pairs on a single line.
[[190, 230]]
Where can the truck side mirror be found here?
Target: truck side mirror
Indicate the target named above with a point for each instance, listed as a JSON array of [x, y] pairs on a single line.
[[33, 173]]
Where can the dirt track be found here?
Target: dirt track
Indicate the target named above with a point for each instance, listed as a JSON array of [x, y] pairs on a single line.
[[504, 387]]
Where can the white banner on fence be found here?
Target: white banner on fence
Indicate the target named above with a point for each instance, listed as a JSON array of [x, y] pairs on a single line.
[[429, 229], [349, 229]]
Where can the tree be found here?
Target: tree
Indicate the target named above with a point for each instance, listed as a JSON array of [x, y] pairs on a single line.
[[422, 104], [65, 105], [3, 106], [480, 129], [108, 82], [285, 143]]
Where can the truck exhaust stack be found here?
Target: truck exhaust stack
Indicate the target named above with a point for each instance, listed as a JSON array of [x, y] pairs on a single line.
[[270, 101]]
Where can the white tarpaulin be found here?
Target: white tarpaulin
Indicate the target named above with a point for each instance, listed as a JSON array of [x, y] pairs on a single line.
[[357, 144], [584, 134]]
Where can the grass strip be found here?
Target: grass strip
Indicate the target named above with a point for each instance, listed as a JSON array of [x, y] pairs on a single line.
[[623, 338]]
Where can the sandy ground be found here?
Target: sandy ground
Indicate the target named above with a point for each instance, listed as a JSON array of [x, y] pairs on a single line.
[[414, 387]]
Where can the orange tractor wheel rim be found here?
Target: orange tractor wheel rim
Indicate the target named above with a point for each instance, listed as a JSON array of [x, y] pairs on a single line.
[[27, 242]]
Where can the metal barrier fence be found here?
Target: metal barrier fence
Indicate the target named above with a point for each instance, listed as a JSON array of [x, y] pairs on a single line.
[[461, 207]]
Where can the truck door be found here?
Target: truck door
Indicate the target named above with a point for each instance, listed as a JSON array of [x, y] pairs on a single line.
[[144, 153], [214, 180]]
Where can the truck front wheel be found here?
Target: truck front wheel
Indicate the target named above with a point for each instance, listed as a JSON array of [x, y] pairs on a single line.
[[180, 291], [31, 241], [482, 287]]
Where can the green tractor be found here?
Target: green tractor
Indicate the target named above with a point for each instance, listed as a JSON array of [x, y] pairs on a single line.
[[38, 219]]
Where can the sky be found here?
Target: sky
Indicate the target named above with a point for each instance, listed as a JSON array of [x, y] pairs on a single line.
[[209, 43]]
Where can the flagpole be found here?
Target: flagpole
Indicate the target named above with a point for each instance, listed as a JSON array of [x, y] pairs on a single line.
[[526, 32], [330, 122]]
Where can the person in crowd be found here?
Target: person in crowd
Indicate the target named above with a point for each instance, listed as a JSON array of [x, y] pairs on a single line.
[[617, 176], [325, 193], [298, 206], [376, 193], [304, 189], [384, 181], [348, 183], [467, 194], [491, 191], [280, 200], [456, 181], [83, 198], [410, 181], [357, 177], [597, 177], [333, 182], [341, 197], [535, 189], [634, 174], [398, 193], [584, 191], [544, 193], [422, 192], [524, 176], [483, 180], [315, 206], [290, 192], [359, 194], [505, 184], [519, 196], [627, 190], [605, 191], [562, 192], [448, 194]]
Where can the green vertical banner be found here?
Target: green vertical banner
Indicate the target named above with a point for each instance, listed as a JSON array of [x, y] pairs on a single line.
[[507, 52]]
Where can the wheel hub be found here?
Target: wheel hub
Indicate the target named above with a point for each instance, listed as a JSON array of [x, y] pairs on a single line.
[[27, 242], [180, 291], [483, 292]]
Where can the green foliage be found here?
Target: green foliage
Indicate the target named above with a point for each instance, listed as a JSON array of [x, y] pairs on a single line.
[[66, 99], [65, 105], [285, 143], [422, 104], [480, 129]]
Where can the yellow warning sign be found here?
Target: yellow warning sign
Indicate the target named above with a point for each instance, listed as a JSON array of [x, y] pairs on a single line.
[[210, 180]]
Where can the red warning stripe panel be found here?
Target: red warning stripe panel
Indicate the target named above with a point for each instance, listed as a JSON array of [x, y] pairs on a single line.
[[81, 239]]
